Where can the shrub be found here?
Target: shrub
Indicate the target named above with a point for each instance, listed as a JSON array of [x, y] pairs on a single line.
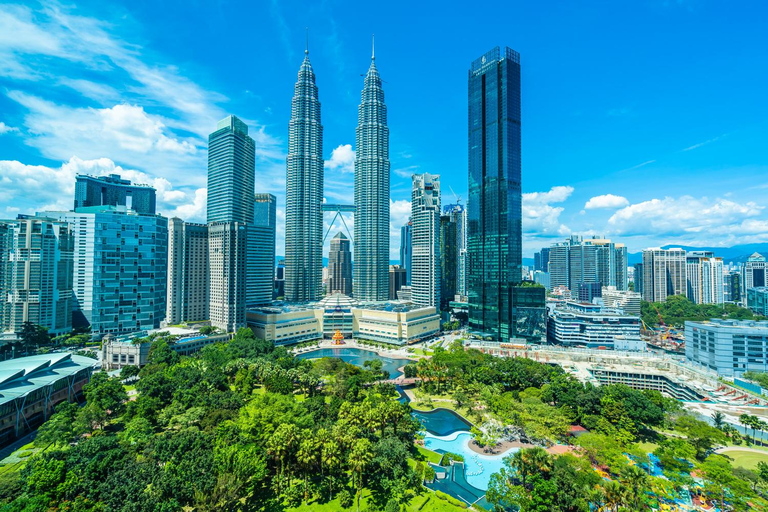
[[450, 499], [345, 499], [392, 506], [429, 474]]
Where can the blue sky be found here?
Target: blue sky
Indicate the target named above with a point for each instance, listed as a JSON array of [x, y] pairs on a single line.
[[644, 121]]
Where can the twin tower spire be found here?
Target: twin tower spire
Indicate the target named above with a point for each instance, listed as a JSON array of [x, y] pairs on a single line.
[[304, 192]]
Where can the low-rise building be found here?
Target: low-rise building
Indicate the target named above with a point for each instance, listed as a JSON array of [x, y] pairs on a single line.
[[390, 322], [757, 300], [129, 350], [729, 347], [286, 324], [593, 326], [396, 323], [623, 299], [30, 388]]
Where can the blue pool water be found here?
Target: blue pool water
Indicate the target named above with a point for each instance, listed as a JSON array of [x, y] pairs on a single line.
[[478, 468], [441, 422], [357, 357]]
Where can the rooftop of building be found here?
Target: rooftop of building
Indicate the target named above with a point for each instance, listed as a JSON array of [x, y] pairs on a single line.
[[114, 179], [337, 300], [23, 375], [588, 309], [277, 308], [734, 324]]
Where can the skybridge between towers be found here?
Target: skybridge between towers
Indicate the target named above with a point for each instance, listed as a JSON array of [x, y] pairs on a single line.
[[337, 210]]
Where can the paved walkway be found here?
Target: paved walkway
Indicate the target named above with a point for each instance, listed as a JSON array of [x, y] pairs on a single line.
[[726, 449]]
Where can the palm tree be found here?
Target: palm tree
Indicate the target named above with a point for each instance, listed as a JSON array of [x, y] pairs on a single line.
[[331, 458], [306, 456], [746, 420], [282, 444], [636, 481], [614, 495], [359, 459], [718, 419]]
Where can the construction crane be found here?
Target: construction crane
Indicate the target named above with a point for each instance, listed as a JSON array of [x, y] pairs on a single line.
[[665, 331], [458, 197]]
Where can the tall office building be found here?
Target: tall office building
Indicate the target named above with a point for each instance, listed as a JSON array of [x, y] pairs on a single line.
[[664, 274], [639, 274], [425, 215], [37, 264], [458, 215], [371, 281], [704, 275], [494, 227], [340, 266], [188, 274], [231, 174], [112, 190], [406, 249], [227, 249], [261, 251], [577, 262], [120, 268], [397, 280], [304, 192], [753, 273], [449, 257], [541, 260]]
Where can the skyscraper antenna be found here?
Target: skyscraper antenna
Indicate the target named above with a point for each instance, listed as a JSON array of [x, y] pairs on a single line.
[[306, 45], [373, 46]]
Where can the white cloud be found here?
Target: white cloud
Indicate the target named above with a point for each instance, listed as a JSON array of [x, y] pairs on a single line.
[[33, 188], [4, 128], [540, 218], [342, 159], [606, 201], [689, 218]]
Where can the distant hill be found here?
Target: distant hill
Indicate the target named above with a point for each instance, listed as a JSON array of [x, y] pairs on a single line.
[[735, 254]]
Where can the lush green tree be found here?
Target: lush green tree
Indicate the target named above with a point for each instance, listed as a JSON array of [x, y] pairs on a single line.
[[105, 398], [59, 430], [128, 372], [359, 459], [32, 335]]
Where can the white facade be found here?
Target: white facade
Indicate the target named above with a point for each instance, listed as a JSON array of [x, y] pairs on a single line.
[[227, 259], [187, 272], [729, 347], [664, 273], [591, 326], [425, 215]]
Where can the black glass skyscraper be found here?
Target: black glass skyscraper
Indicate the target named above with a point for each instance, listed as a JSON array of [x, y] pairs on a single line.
[[494, 236]]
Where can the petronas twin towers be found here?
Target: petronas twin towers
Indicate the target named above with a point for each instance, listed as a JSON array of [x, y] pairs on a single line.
[[304, 193]]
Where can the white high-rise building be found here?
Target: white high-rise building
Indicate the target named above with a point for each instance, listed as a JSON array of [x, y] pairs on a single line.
[[425, 215], [227, 243], [664, 273], [704, 274], [36, 268], [188, 275]]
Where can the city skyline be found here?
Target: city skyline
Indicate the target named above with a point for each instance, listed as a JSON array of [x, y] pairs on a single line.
[[620, 128]]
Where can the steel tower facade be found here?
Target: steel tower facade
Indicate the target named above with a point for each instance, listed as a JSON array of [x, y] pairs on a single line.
[[371, 263], [304, 192]]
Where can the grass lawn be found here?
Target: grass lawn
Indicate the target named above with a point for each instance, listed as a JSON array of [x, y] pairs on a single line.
[[429, 455], [745, 459], [433, 504], [648, 447]]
